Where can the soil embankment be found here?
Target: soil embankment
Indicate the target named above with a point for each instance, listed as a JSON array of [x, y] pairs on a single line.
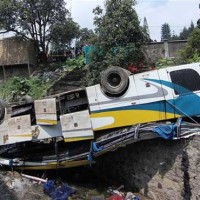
[[157, 168]]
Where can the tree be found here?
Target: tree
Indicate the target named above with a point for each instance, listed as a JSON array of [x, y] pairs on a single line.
[[38, 20], [62, 34], [185, 33], [191, 53], [119, 25], [165, 32], [120, 36], [174, 36], [198, 23], [86, 37], [146, 30], [191, 28]]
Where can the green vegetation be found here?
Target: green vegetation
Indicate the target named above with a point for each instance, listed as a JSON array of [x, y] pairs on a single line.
[[186, 32], [15, 88], [76, 63], [165, 32], [119, 38], [165, 62], [191, 53], [86, 37], [183, 35]]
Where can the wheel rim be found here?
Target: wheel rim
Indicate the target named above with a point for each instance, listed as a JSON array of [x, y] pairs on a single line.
[[114, 79]]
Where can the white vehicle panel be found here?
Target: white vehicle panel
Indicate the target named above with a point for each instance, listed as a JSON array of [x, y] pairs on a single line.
[[92, 98], [99, 122], [147, 90], [19, 129], [4, 129], [41, 132], [76, 125], [128, 99], [45, 111]]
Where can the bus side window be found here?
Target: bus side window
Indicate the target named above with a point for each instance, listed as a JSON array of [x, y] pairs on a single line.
[[188, 79]]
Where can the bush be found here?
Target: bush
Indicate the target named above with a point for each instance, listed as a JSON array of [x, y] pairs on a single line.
[[15, 88], [166, 62], [191, 53], [76, 63]]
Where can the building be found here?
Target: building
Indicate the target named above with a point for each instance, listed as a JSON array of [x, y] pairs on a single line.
[[17, 57]]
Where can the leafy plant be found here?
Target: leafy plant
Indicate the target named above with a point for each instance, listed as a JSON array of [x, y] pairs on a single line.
[[191, 53], [165, 62], [15, 88], [76, 63], [195, 58]]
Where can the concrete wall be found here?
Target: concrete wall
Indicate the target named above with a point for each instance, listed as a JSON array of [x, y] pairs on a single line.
[[156, 50], [175, 47], [159, 169], [16, 56]]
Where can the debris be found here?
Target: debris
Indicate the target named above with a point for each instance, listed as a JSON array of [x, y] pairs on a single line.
[[131, 196], [14, 186], [61, 192], [116, 191], [116, 197], [120, 187], [34, 178]]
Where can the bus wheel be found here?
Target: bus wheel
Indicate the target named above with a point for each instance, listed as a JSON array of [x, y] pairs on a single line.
[[27, 99], [115, 81]]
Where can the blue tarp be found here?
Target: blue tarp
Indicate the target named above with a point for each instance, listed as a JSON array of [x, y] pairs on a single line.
[[87, 51], [167, 132], [58, 193], [94, 149]]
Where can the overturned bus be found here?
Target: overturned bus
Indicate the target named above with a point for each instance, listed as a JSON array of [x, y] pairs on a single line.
[[72, 128]]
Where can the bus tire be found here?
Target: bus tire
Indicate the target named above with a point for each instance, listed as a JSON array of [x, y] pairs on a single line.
[[27, 99], [114, 81]]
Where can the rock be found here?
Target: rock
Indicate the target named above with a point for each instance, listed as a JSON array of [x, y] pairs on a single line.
[[13, 187]]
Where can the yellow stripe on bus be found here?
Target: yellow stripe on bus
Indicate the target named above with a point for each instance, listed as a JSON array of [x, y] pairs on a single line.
[[21, 135], [131, 117], [78, 139], [55, 165], [47, 121]]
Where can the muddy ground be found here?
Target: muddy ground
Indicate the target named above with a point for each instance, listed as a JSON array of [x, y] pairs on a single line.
[[88, 183]]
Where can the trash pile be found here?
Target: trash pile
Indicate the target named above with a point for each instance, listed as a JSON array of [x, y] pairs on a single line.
[[14, 185], [58, 192], [117, 195], [64, 192]]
